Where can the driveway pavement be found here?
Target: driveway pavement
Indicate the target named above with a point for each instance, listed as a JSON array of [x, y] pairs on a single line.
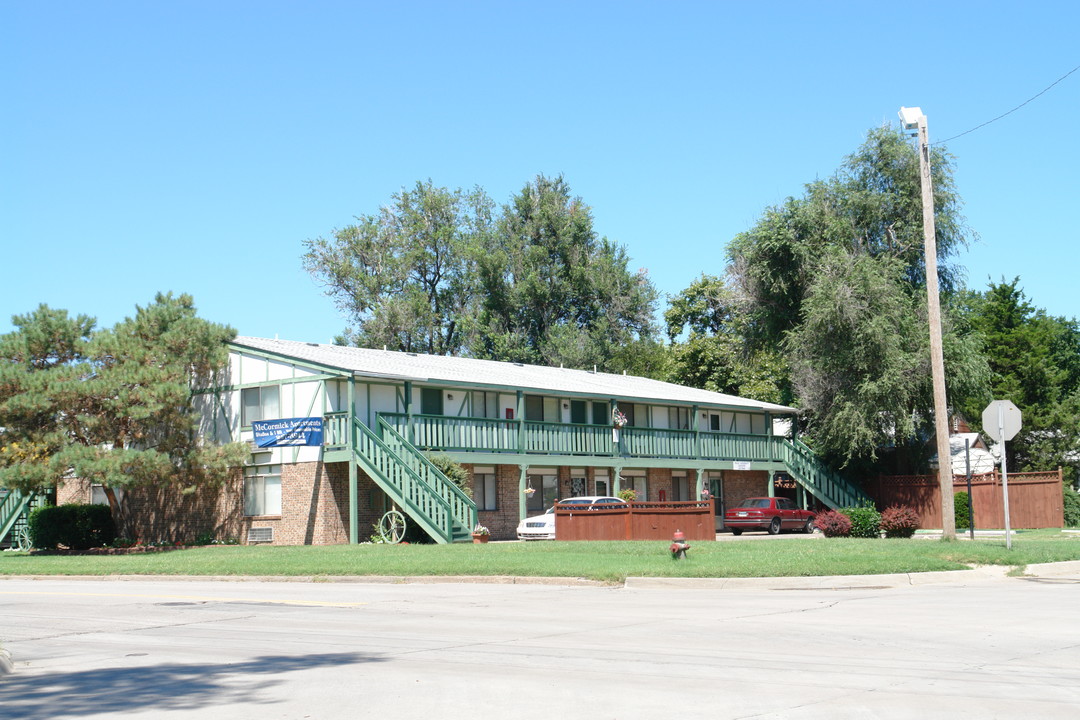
[[976, 644]]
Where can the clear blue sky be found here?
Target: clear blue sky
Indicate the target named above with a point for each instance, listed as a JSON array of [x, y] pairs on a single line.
[[192, 146]]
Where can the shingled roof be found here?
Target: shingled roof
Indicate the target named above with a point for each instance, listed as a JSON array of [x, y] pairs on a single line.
[[436, 369]]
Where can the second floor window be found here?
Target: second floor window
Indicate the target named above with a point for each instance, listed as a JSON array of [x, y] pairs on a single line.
[[260, 403]]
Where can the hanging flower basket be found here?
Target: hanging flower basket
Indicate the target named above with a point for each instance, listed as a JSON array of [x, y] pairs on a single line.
[[618, 419], [529, 491]]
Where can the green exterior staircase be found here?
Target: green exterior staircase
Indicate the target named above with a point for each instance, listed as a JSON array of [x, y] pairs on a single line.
[[15, 507], [818, 478], [416, 486]]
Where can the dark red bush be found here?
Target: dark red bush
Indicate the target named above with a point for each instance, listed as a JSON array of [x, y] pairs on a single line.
[[899, 521], [833, 524]]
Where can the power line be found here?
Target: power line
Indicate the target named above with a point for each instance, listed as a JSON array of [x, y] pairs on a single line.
[[939, 142]]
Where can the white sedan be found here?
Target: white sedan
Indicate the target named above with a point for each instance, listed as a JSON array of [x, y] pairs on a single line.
[[542, 527]]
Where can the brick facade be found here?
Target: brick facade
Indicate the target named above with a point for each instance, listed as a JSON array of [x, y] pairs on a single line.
[[315, 504]]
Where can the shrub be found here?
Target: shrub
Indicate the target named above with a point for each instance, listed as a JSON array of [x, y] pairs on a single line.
[[1072, 507], [629, 495], [865, 521], [454, 472], [833, 524], [899, 521], [77, 527], [960, 510]]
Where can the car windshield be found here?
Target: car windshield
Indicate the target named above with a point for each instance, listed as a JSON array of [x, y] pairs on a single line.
[[754, 503]]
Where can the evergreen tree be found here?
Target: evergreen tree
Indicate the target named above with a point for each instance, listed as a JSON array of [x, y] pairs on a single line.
[[113, 407]]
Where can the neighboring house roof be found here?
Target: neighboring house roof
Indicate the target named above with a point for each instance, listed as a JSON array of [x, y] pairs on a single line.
[[478, 373], [982, 460]]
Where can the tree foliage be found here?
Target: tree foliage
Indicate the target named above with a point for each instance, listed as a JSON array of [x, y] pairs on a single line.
[[835, 280], [714, 354], [553, 291], [441, 271], [405, 276], [1035, 362], [110, 406]]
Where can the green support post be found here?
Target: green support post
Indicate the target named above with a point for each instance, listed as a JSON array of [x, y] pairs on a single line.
[[698, 483], [521, 421], [521, 491], [409, 411], [354, 511], [772, 483], [617, 480], [696, 425]]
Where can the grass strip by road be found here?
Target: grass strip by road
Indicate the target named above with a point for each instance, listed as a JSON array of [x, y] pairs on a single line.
[[608, 561]]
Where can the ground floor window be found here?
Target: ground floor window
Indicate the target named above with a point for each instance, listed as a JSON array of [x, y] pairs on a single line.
[[262, 490], [484, 489], [639, 484], [680, 488], [547, 492]]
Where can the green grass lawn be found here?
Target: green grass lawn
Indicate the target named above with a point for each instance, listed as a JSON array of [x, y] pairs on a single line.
[[610, 561]]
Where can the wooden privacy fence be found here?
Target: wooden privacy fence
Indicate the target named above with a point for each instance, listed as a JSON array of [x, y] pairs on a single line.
[[636, 521], [1035, 499]]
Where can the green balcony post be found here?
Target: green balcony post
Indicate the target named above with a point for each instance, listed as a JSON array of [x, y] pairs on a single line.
[[522, 500], [772, 483], [521, 421], [696, 424], [354, 512], [699, 474], [411, 436], [617, 481]]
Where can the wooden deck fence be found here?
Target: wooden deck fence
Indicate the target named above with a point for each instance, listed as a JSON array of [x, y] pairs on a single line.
[[636, 521], [1035, 499]]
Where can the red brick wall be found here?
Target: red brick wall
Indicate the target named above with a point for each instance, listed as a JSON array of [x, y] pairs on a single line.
[[740, 484]]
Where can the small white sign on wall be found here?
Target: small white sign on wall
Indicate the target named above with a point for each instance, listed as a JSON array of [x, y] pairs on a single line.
[[740, 465]]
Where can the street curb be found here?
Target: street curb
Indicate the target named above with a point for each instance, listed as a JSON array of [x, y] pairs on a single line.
[[368, 579], [1069, 568], [6, 666]]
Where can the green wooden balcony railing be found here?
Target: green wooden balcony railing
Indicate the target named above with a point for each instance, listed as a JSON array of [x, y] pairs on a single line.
[[464, 434]]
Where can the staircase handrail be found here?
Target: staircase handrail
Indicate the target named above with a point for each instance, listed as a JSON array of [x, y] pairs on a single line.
[[445, 530], [831, 487], [442, 484], [12, 507]]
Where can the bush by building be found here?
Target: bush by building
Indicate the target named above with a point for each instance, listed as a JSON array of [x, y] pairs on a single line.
[[76, 527], [899, 521]]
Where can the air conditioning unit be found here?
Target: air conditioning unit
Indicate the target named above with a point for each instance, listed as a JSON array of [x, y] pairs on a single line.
[[260, 535]]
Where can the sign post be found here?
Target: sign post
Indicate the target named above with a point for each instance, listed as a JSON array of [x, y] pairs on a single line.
[[1001, 421]]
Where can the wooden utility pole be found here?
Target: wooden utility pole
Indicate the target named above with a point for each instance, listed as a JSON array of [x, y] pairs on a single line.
[[937, 358]]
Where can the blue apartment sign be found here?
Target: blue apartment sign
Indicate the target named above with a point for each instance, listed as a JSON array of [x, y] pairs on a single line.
[[288, 432]]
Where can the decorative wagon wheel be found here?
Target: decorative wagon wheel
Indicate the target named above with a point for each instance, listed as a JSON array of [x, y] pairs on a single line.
[[392, 527], [22, 540]]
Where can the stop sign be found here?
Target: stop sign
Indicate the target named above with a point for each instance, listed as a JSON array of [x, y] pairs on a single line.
[[1005, 413]]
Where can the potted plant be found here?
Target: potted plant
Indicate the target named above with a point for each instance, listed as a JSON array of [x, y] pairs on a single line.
[[480, 534]]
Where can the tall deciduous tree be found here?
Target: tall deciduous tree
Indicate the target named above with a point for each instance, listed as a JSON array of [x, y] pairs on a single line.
[[836, 280], [405, 276], [553, 291], [113, 407], [706, 326]]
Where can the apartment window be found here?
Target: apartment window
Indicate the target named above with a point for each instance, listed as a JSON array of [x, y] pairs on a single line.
[[638, 483], [262, 490], [484, 489], [680, 487], [628, 411], [431, 401], [547, 491], [679, 418], [485, 404], [600, 414], [602, 484], [534, 408], [260, 403], [578, 412]]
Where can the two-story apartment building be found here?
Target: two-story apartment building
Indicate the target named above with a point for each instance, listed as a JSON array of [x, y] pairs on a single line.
[[528, 435]]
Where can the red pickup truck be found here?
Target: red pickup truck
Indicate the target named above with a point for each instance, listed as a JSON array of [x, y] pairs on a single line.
[[768, 513]]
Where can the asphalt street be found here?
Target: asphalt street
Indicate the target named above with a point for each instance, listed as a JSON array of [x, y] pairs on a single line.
[[976, 645]]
